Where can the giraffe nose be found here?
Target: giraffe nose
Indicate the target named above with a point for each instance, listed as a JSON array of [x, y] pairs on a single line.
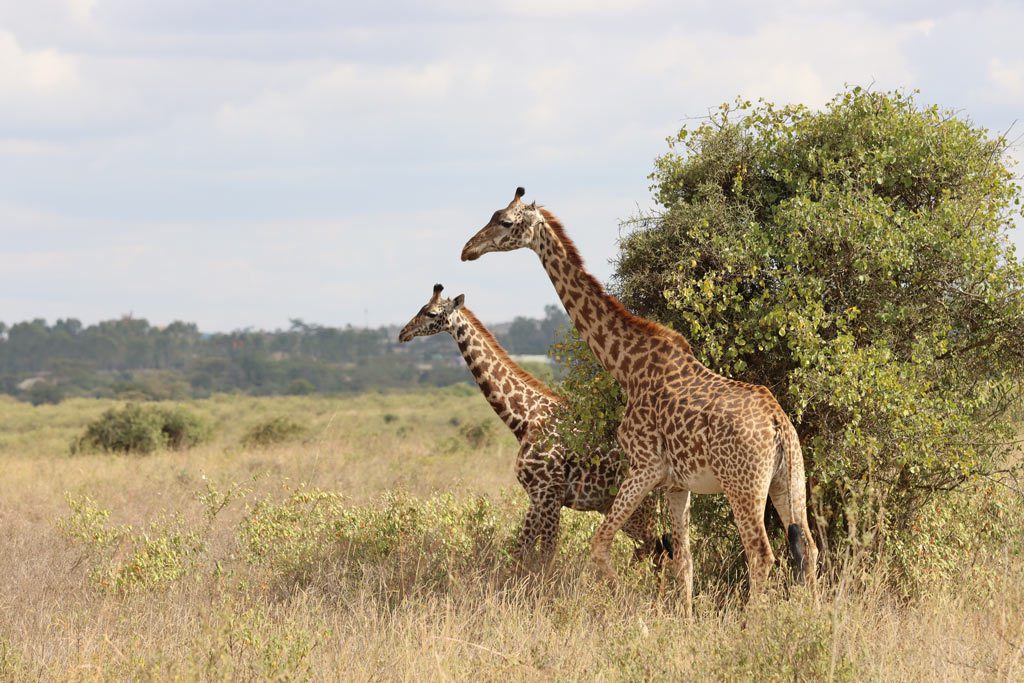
[[468, 254]]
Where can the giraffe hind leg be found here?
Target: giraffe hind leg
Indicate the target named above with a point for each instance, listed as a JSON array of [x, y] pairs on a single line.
[[748, 513]]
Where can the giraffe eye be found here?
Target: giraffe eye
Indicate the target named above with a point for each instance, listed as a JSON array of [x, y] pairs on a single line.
[[506, 224], [431, 314]]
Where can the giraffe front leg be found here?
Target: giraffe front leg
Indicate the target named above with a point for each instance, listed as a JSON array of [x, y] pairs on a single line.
[[682, 561], [642, 529], [541, 524], [528, 535], [638, 483], [550, 516]]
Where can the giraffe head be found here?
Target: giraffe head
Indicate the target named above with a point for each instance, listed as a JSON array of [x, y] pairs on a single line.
[[436, 316], [513, 227]]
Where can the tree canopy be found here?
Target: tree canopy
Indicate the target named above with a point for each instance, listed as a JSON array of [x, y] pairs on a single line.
[[855, 260]]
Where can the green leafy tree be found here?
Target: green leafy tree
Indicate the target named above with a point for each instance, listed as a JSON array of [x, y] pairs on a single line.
[[856, 261]]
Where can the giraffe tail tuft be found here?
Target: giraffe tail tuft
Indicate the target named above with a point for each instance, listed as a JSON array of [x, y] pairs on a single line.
[[665, 545], [794, 535]]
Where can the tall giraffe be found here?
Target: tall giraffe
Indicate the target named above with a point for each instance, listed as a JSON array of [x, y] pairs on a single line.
[[685, 428], [552, 478]]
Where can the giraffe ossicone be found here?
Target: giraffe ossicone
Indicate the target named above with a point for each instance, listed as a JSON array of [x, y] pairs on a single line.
[[552, 476], [685, 428]]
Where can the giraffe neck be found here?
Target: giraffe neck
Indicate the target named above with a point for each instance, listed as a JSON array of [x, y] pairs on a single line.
[[617, 337], [516, 396]]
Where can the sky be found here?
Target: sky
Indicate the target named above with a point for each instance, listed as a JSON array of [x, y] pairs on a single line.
[[240, 163]]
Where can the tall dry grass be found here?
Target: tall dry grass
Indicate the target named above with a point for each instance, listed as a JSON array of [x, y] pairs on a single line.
[[308, 566]]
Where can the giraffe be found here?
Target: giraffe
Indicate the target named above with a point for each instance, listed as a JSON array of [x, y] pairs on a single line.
[[544, 468], [685, 429]]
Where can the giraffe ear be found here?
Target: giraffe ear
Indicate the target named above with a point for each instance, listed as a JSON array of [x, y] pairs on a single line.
[[458, 301], [533, 205]]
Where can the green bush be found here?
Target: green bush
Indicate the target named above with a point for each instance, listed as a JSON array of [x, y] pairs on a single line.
[[301, 387], [121, 558], [478, 434], [271, 432], [855, 260], [45, 393], [142, 429], [315, 536]]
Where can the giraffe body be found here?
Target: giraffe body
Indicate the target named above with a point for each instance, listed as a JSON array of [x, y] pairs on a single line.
[[552, 477], [686, 429]]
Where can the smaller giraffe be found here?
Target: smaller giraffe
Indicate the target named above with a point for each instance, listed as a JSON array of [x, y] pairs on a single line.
[[553, 479]]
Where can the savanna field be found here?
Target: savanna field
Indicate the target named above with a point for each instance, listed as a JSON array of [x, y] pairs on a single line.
[[367, 538]]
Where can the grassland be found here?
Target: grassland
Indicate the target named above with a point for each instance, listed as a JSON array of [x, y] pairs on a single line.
[[373, 546]]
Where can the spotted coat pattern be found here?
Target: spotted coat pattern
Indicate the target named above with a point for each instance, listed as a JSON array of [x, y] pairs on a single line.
[[685, 428], [528, 408]]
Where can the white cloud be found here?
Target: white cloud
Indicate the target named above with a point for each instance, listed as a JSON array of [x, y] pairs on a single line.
[[33, 70], [81, 10], [1006, 79]]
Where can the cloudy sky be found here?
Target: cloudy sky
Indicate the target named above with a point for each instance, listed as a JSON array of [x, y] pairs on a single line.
[[237, 163]]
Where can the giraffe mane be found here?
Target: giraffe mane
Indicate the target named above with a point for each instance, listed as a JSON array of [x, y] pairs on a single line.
[[502, 354], [639, 322]]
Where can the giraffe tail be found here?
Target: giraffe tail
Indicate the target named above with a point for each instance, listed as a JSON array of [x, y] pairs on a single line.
[[794, 535], [789, 444]]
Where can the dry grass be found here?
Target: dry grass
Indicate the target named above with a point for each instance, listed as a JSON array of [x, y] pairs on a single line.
[[430, 598]]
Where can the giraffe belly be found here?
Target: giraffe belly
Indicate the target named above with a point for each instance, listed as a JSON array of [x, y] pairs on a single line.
[[700, 481]]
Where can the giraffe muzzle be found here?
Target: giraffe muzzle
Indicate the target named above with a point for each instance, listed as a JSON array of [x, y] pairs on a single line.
[[480, 243]]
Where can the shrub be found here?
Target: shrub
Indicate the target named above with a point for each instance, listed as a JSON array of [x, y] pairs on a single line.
[[142, 429], [477, 435], [271, 432], [121, 558], [856, 261], [301, 387], [314, 536], [45, 392], [182, 429]]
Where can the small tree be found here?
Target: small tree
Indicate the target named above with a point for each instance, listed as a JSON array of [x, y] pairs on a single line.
[[856, 261], [142, 429]]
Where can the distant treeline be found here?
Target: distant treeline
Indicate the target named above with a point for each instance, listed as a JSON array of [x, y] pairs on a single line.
[[132, 359]]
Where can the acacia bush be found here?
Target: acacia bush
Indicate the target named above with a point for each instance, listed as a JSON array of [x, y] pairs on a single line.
[[142, 429], [400, 542], [855, 260], [271, 432]]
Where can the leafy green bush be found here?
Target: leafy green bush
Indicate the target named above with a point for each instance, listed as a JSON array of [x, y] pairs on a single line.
[[121, 558], [400, 541], [478, 434], [271, 432], [45, 392], [142, 429], [855, 260], [301, 387]]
